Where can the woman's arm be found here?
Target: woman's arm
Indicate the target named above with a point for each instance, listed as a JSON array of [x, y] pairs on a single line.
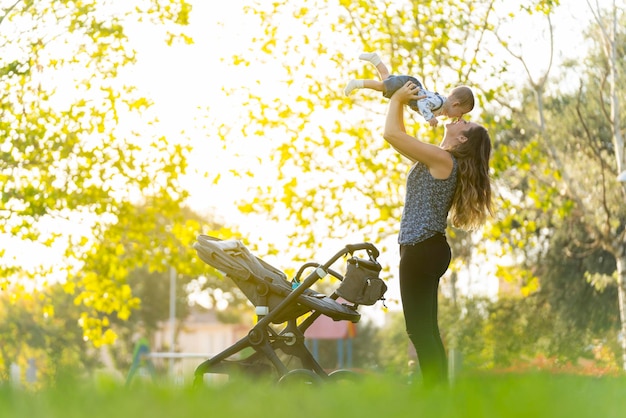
[[436, 159], [404, 155]]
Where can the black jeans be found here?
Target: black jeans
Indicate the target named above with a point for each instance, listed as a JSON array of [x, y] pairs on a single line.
[[421, 267]]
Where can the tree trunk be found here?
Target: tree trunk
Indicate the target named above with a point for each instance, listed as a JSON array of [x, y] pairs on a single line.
[[621, 282]]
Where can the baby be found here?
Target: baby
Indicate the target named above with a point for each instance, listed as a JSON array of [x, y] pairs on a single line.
[[459, 102]]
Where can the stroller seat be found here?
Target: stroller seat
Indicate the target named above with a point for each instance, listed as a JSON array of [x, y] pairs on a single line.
[[278, 301]]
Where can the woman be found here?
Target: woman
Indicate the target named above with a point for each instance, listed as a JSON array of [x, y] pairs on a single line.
[[450, 178]]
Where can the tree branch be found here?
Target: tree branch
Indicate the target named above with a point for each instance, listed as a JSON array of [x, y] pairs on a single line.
[[8, 10], [480, 39], [598, 154]]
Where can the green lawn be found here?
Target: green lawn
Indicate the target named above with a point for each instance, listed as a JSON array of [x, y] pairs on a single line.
[[501, 396]]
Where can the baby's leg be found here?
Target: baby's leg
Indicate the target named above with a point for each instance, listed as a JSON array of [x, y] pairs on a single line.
[[373, 84], [373, 57], [363, 84]]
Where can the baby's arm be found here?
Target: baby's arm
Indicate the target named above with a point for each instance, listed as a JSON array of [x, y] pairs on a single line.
[[425, 107]]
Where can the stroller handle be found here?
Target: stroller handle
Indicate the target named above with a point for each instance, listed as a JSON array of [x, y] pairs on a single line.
[[348, 249], [371, 249]]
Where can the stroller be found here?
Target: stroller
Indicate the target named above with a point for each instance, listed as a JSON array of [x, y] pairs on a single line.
[[282, 303]]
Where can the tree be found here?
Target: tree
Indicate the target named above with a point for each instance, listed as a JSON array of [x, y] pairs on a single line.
[[149, 281], [612, 237], [143, 238], [580, 289], [80, 147], [575, 154], [54, 342]]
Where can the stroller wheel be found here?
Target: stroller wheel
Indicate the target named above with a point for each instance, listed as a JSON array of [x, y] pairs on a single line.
[[299, 377], [343, 376]]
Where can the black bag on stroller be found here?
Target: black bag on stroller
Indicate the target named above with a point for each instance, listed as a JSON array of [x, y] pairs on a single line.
[[361, 284]]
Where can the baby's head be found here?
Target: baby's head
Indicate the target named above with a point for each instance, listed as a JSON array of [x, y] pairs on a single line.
[[459, 102]]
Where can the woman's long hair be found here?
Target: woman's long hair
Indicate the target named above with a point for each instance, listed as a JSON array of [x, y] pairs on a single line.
[[472, 199]]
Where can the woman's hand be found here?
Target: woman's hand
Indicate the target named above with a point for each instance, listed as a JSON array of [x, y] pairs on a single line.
[[407, 92]]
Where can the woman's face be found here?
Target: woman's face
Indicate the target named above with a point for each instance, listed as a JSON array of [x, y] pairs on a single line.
[[454, 133]]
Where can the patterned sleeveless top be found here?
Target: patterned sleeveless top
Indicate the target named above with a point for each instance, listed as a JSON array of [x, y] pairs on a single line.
[[426, 204]]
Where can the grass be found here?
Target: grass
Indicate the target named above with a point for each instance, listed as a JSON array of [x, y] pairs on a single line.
[[482, 396]]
